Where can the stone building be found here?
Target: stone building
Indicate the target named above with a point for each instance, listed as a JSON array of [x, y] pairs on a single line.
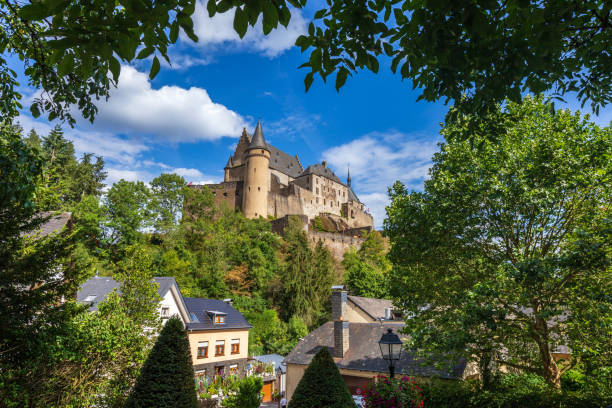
[[263, 181]]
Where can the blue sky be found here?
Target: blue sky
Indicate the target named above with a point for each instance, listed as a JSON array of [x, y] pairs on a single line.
[[188, 119]]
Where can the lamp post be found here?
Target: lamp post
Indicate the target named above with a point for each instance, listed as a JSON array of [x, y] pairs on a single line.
[[391, 349]]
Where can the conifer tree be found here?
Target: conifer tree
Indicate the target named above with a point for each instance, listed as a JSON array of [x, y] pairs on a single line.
[[322, 385], [166, 379]]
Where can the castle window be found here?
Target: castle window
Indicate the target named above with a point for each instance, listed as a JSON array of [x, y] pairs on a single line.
[[258, 188], [317, 190], [317, 200], [324, 202], [224, 194], [249, 188], [254, 169]]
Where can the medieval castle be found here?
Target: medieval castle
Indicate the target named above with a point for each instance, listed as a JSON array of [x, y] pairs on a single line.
[[263, 181]]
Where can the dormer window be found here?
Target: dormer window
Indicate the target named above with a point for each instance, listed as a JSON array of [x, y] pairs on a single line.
[[216, 316], [219, 319]]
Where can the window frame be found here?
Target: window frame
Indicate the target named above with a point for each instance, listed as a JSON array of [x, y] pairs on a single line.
[[235, 346], [199, 354], [220, 348]]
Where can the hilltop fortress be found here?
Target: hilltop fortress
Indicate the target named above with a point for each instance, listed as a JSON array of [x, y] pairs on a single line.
[[263, 181]]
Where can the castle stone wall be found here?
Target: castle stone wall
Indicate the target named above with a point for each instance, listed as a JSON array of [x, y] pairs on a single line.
[[337, 244]]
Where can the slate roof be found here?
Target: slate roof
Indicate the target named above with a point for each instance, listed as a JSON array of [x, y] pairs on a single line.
[[56, 223], [352, 196], [323, 171], [200, 308], [258, 141], [286, 164], [101, 286], [277, 359], [364, 353], [375, 308]]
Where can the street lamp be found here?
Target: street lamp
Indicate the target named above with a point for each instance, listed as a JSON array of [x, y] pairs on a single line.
[[391, 349]]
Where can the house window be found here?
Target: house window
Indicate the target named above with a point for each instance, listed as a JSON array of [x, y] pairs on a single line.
[[236, 346], [202, 349], [233, 369], [220, 370], [220, 319], [165, 312], [220, 348]]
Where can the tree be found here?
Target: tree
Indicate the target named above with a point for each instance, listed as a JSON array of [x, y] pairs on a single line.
[[474, 53], [248, 395], [322, 385], [367, 270], [36, 273], [126, 211], [502, 253], [167, 196], [166, 379]]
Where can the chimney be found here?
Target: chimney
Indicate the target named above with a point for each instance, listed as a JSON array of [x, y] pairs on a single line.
[[388, 313], [324, 163], [229, 301], [341, 326]]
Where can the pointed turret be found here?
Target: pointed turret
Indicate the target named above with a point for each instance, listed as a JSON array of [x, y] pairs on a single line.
[[258, 141], [229, 162], [348, 177]]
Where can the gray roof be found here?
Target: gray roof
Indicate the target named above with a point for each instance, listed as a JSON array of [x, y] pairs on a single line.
[[352, 196], [101, 286], [56, 223], [375, 308], [258, 141], [200, 308], [323, 171], [364, 353], [286, 164], [277, 359]]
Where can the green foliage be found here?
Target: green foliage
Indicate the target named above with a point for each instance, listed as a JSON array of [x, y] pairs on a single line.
[[367, 270], [248, 395], [393, 392], [321, 385], [507, 391], [508, 246], [125, 206], [446, 50], [166, 379], [167, 193]]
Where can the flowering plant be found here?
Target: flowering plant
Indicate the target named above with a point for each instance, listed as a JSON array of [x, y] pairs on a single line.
[[393, 393]]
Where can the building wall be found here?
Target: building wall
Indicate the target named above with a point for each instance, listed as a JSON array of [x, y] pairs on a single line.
[[295, 372], [337, 244], [228, 193], [169, 301], [282, 177], [356, 215], [328, 194], [212, 336], [355, 315]]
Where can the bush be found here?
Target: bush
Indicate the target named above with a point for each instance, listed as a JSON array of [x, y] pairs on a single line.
[[322, 386], [166, 379], [396, 392], [248, 395]]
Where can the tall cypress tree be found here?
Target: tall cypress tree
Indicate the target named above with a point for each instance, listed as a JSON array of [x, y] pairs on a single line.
[[166, 379], [322, 385]]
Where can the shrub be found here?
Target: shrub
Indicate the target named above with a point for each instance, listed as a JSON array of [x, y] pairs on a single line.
[[322, 385], [394, 393], [248, 395], [166, 379]]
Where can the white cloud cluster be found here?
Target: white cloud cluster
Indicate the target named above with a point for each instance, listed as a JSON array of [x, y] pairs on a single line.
[[219, 30], [377, 160], [170, 113]]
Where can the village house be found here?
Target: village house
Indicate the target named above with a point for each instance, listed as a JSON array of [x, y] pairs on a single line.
[[218, 334], [352, 339]]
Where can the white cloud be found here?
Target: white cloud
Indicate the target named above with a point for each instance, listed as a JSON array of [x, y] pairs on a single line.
[[377, 160], [170, 113], [219, 29]]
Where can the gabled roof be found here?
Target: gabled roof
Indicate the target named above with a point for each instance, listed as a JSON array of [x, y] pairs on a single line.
[[200, 309], [277, 359], [284, 163], [320, 170], [364, 353], [258, 141], [375, 308], [101, 286], [352, 196], [55, 224]]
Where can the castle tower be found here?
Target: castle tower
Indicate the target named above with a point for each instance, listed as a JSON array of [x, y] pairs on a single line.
[[348, 177], [227, 168], [257, 177]]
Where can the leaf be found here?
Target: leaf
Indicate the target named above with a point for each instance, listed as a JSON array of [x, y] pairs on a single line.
[[36, 11], [154, 68], [174, 31], [303, 42], [35, 110], [211, 6], [241, 22], [66, 65], [115, 68], [308, 80], [145, 52], [270, 17], [341, 78], [320, 14]]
